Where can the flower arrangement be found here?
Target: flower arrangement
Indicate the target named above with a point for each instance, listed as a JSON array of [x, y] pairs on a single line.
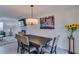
[[72, 27]]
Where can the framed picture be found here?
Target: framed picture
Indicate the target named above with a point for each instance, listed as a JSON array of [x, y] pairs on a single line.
[[47, 22]]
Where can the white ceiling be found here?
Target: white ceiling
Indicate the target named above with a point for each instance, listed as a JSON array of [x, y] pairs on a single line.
[[23, 11]]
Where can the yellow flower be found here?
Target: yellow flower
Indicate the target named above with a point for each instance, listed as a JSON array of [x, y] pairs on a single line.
[[65, 25], [78, 25], [70, 26], [75, 26]]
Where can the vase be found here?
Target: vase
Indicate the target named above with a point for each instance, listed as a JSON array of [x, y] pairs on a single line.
[[71, 38]]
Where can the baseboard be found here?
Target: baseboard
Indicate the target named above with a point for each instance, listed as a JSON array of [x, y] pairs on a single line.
[[68, 51]]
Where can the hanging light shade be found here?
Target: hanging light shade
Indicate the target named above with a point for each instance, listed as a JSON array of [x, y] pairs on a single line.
[[31, 21]]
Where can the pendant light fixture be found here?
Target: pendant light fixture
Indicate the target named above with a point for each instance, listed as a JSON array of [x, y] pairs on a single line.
[[31, 21]]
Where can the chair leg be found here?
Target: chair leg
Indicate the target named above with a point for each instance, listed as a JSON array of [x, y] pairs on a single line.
[[23, 51], [22, 48], [51, 50], [55, 49], [42, 52], [18, 48]]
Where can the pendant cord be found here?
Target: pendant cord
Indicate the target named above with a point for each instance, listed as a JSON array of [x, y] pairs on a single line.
[[31, 11]]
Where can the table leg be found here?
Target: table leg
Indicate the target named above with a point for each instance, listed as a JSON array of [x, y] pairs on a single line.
[[37, 50]]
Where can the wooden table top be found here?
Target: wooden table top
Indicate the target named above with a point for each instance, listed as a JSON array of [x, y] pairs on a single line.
[[38, 40]]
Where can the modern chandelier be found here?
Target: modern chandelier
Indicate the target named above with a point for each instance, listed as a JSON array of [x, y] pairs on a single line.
[[31, 21]]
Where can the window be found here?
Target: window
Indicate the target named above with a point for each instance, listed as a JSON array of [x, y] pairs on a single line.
[[1, 26]]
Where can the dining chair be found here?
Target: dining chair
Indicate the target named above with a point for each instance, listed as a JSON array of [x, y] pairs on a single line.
[[26, 47], [17, 36], [25, 44], [21, 33], [49, 49]]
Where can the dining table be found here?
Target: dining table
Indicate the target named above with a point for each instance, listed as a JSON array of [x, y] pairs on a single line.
[[38, 41]]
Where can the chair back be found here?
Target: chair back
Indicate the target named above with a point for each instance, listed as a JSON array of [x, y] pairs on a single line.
[[55, 41], [17, 36], [54, 44], [25, 40], [21, 33]]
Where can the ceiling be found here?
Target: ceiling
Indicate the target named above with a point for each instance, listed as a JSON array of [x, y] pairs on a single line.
[[23, 11]]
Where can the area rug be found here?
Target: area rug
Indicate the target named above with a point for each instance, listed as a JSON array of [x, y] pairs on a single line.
[[7, 40]]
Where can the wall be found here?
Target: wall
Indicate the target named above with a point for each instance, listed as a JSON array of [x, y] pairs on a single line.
[[62, 17], [10, 23]]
